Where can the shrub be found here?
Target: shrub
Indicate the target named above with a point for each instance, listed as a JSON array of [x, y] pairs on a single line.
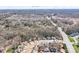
[[26, 37], [65, 48]]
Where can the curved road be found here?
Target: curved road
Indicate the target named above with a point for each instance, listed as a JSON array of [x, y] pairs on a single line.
[[65, 38], [66, 41]]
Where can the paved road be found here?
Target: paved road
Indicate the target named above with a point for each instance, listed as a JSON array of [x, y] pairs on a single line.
[[65, 39]]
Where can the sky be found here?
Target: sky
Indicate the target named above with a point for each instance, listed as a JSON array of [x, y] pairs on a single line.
[[39, 4]]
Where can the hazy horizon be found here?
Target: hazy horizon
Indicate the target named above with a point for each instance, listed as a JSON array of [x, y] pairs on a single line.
[[38, 7]]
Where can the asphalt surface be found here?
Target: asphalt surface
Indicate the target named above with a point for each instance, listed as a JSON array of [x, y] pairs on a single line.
[[65, 39]]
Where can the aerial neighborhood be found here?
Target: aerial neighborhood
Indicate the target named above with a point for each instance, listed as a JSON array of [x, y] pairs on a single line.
[[39, 31]]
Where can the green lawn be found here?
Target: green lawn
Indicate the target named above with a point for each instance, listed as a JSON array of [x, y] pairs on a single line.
[[78, 39], [10, 50], [71, 39], [76, 48]]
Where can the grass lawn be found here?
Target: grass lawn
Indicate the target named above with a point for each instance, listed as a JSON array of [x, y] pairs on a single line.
[[71, 39], [78, 40], [76, 48], [10, 50]]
